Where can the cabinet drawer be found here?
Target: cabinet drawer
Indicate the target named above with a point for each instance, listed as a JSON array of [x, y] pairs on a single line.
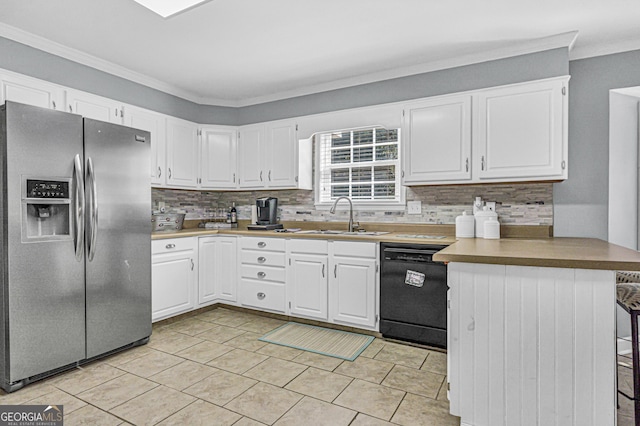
[[259, 243], [354, 249], [262, 295], [170, 245], [263, 273], [267, 258], [308, 246]]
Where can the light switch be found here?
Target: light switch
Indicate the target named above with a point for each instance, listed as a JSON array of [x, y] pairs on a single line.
[[414, 207]]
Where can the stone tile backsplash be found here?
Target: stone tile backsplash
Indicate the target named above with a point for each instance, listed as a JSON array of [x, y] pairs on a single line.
[[517, 204]]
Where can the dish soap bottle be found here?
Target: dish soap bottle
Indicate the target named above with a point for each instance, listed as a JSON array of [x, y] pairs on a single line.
[[234, 213]]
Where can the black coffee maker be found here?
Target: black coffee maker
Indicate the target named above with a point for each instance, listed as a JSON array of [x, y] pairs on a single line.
[[267, 214]]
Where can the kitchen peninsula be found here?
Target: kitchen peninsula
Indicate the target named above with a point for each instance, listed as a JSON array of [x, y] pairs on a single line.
[[532, 330]]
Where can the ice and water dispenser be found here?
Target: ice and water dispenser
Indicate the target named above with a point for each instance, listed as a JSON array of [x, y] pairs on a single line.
[[46, 209]]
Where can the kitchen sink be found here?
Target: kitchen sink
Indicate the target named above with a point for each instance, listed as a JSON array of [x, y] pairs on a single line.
[[335, 232]]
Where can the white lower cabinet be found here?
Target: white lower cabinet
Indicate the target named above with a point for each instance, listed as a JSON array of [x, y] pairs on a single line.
[[173, 276], [353, 289], [217, 272], [262, 274], [308, 278], [332, 281]]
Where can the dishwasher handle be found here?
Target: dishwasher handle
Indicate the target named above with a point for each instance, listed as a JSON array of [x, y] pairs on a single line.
[[410, 255]]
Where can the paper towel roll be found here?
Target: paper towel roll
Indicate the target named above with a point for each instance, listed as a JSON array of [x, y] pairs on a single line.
[[254, 215]]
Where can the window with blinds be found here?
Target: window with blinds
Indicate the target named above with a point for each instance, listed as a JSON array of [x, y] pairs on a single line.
[[362, 164]]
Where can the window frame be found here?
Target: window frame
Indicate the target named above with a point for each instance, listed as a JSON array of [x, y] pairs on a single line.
[[397, 204]]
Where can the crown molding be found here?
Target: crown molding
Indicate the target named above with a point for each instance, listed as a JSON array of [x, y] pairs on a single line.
[[602, 49], [515, 49], [83, 58], [518, 48]]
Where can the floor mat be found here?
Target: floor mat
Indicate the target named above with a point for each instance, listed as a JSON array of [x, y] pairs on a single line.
[[325, 341]]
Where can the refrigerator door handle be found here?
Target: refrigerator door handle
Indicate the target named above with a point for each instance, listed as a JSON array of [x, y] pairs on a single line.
[[78, 177], [93, 210]]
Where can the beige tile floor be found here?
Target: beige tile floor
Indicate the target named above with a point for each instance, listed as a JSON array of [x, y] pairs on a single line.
[[625, 384], [210, 369]]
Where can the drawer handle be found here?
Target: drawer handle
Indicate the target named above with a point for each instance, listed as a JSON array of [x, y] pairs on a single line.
[[170, 246], [261, 275], [262, 244], [261, 296], [262, 259]]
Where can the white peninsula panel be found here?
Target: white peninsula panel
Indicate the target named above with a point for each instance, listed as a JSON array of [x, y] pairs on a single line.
[[531, 345]]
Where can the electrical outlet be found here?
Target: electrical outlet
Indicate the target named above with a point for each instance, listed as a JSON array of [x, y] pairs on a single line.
[[161, 206], [491, 206], [414, 207]]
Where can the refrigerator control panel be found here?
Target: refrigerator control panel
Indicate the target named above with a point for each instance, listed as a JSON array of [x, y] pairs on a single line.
[[38, 188]]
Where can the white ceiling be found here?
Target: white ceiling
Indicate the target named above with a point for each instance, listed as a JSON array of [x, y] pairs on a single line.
[[241, 52]]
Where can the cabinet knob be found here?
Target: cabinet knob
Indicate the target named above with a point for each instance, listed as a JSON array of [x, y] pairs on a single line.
[[262, 244], [262, 259], [261, 275], [170, 246], [261, 296]]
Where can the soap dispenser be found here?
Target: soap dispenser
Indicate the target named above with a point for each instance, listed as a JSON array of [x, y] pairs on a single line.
[[477, 205]]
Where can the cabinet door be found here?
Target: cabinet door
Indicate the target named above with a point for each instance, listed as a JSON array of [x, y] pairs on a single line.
[[282, 155], [218, 157], [437, 137], [173, 284], [155, 124], [182, 153], [352, 291], [95, 107], [251, 156], [218, 271], [521, 131], [31, 91], [307, 282]]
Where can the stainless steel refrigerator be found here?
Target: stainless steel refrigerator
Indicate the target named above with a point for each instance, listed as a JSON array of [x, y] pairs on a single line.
[[75, 252]]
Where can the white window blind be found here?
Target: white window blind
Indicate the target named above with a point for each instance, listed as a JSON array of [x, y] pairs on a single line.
[[362, 164]]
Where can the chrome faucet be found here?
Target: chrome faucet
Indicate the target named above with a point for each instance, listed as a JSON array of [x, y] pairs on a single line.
[[333, 210]]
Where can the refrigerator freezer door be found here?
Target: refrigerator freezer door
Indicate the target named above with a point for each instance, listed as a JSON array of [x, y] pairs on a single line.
[[42, 299], [118, 230]]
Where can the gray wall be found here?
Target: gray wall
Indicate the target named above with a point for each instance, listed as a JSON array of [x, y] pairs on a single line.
[[534, 66], [581, 202]]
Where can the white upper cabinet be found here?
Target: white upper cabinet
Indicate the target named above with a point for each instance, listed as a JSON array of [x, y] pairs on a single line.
[[521, 131], [30, 91], [182, 153], [271, 156], [218, 169], [251, 157], [95, 107], [155, 124], [437, 135], [503, 134]]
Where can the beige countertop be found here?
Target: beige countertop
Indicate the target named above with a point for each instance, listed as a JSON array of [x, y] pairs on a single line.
[[579, 253], [389, 237], [531, 247]]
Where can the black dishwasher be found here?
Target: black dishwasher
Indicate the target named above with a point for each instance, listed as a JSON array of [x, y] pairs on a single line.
[[413, 294]]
